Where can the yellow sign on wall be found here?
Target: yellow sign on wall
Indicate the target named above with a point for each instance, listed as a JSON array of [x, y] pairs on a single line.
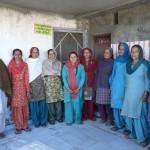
[[42, 29]]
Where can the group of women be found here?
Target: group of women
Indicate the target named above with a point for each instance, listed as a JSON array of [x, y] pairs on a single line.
[[120, 87]]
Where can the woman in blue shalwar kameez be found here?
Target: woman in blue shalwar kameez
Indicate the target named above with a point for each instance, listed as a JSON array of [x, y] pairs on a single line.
[[117, 82], [135, 106], [73, 74]]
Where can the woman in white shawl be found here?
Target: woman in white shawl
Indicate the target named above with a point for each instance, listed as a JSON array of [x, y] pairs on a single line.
[[53, 86], [38, 107]]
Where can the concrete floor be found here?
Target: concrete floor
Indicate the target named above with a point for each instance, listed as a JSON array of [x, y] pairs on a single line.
[[90, 136]]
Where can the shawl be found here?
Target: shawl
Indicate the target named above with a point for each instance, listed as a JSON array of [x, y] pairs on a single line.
[[103, 72], [124, 58], [14, 68], [35, 68], [131, 69], [51, 67], [72, 76], [90, 67]]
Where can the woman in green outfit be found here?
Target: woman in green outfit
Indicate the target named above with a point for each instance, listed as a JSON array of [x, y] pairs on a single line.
[[53, 87]]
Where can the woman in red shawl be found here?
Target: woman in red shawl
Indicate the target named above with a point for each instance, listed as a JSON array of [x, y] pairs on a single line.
[[20, 83], [89, 64]]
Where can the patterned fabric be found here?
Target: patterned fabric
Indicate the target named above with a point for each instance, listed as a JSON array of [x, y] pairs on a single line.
[[53, 89], [37, 89], [87, 93], [102, 96], [20, 116], [20, 84]]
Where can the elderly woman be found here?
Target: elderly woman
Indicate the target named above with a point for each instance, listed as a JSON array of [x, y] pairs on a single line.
[[73, 77], [18, 70], [5, 95], [135, 106], [104, 70], [38, 107], [53, 86]]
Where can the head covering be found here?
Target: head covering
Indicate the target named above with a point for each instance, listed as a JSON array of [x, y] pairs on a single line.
[[71, 74], [31, 50], [111, 51], [14, 68], [89, 67], [51, 67], [125, 57], [129, 67], [5, 82]]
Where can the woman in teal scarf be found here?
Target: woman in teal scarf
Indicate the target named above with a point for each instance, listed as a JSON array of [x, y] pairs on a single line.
[[135, 106]]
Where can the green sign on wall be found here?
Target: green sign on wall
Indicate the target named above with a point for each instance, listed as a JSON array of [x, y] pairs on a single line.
[[42, 29]]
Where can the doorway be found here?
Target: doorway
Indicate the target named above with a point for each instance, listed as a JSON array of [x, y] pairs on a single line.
[[100, 43]]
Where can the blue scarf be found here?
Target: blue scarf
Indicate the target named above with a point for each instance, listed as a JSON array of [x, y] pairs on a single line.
[[125, 57], [131, 69]]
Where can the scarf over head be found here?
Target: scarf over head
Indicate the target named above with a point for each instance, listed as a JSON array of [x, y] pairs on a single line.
[[89, 66], [31, 50], [125, 57], [51, 67], [131, 69], [5, 82], [72, 75]]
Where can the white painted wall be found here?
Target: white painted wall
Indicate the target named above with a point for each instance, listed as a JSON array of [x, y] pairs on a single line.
[[17, 30]]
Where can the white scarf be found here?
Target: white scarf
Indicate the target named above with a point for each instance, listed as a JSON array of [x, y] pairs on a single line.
[[35, 68]]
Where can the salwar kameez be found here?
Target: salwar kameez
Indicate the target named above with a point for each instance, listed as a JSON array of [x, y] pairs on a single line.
[[54, 97], [20, 109], [51, 72], [39, 112], [134, 108], [37, 103], [73, 111], [3, 110], [89, 66], [73, 106], [117, 82], [139, 127], [103, 72]]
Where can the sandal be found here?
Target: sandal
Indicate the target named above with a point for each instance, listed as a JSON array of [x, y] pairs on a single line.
[[27, 129], [18, 131], [127, 137], [2, 136], [115, 128], [126, 132], [144, 144], [43, 125], [80, 123], [93, 119], [68, 124]]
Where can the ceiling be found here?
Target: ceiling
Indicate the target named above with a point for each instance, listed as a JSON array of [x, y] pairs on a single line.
[[74, 7]]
